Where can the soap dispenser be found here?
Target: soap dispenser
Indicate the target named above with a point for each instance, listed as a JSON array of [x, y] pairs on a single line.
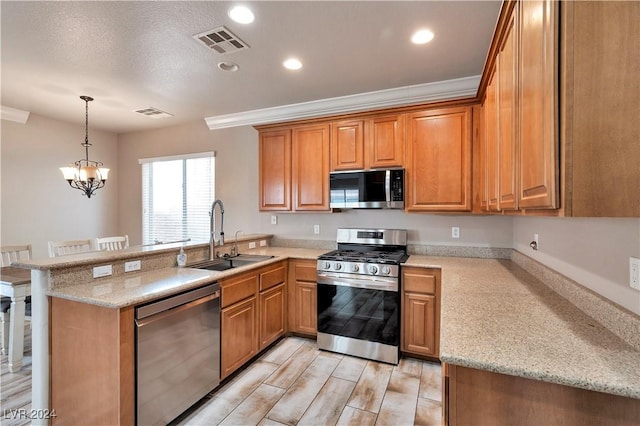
[[182, 257]]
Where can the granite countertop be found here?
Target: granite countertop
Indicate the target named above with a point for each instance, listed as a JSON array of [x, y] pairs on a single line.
[[495, 316], [141, 287]]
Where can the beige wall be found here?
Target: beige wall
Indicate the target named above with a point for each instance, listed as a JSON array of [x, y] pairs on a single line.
[[37, 204], [592, 251]]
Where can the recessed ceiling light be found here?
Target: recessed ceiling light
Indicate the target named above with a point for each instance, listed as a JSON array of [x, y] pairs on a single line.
[[241, 15], [422, 37], [292, 64], [228, 66]]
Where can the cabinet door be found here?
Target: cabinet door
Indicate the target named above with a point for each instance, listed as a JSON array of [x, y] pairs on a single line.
[[306, 309], [537, 84], [275, 170], [347, 145], [272, 314], [238, 335], [492, 142], [310, 165], [507, 118], [384, 146], [419, 312], [439, 160]]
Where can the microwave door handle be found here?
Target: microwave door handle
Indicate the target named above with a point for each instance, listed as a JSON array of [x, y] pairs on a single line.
[[387, 187]]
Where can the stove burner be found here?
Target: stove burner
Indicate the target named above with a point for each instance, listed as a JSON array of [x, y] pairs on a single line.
[[376, 256]]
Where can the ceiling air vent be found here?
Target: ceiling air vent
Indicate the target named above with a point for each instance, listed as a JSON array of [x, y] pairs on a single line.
[[153, 113], [221, 40]]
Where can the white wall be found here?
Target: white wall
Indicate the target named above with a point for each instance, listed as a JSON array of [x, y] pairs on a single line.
[[37, 204], [592, 251]]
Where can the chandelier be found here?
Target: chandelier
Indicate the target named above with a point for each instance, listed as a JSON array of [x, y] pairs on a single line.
[[86, 175]]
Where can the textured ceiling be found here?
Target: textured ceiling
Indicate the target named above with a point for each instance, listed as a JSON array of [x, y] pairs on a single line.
[[134, 55]]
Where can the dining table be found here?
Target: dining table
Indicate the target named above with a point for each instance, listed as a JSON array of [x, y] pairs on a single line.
[[16, 284]]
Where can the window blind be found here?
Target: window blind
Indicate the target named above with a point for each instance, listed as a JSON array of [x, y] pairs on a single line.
[[177, 193]]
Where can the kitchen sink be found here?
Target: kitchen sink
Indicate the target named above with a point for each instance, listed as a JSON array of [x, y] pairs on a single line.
[[224, 263]]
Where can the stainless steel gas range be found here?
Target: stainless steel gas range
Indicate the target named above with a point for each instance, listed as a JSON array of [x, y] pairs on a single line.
[[359, 294]]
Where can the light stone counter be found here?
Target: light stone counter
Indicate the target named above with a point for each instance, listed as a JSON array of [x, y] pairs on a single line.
[[496, 316], [141, 287]]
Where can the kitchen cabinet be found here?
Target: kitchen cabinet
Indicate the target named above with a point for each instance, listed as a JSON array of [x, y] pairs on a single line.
[[438, 169], [473, 396], [420, 325], [294, 168], [273, 304], [538, 104], [238, 321], [499, 135], [275, 170], [303, 297], [253, 314], [600, 106], [92, 364], [369, 143]]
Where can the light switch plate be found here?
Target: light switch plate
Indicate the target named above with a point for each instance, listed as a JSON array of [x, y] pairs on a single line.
[[252, 244], [263, 243], [102, 271]]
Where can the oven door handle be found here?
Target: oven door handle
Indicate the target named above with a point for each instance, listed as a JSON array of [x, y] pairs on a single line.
[[373, 284]]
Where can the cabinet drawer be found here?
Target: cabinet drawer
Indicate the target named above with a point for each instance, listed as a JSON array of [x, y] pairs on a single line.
[[418, 280], [238, 288], [306, 272], [272, 277]]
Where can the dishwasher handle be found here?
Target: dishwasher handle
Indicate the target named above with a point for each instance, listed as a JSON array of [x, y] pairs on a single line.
[[177, 300], [164, 314]]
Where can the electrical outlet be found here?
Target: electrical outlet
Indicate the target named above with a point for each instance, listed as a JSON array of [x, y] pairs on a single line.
[[316, 229], [455, 232], [263, 243], [274, 220], [102, 271], [634, 272], [252, 244], [132, 266]]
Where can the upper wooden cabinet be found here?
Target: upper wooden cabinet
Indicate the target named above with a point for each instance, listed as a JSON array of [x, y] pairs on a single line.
[[538, 104], [310, 167], [294, 168], [438, 168], [369, 143], [275, 169]]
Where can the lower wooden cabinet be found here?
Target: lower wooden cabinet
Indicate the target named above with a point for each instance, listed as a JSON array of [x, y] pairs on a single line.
[[303, 297], [421, 311], [273, 314], [239, 335]]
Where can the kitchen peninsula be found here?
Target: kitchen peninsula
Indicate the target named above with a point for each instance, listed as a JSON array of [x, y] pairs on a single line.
[[497, 319]]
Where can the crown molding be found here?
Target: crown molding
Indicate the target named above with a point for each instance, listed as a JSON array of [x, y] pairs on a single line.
[[12, 114], [400, 96]]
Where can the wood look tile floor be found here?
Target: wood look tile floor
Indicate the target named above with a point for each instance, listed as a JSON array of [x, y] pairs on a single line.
[[15, 388], [294, 383]]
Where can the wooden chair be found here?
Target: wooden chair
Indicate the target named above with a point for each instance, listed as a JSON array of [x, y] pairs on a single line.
[[63, 248], [10, 254], [112, 243]]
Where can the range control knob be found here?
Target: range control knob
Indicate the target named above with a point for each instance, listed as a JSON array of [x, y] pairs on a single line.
[[337, 266], [327, 265], [373, 269], [386, 270], [355, 267]]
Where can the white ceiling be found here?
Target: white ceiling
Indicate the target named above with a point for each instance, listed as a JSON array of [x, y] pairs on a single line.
[[132, 55]]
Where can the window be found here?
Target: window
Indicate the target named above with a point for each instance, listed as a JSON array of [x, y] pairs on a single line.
[[177, 193]]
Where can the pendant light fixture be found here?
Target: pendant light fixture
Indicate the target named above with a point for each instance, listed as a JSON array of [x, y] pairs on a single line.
[[86, 175]]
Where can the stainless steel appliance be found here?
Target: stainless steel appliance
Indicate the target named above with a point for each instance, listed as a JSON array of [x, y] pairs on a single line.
[[359, 294], [367, 189], [177, 353]]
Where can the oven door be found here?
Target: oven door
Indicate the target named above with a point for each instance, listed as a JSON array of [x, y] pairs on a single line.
[[359, 316]]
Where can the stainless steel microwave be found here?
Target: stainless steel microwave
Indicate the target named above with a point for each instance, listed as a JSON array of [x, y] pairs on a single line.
[[367, 189]]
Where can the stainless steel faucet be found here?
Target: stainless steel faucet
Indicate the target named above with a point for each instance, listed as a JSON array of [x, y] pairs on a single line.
[[234, 249], [212, 228]]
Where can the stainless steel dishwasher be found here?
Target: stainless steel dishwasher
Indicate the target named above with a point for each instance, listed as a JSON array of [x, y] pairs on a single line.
[[177, 353]]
